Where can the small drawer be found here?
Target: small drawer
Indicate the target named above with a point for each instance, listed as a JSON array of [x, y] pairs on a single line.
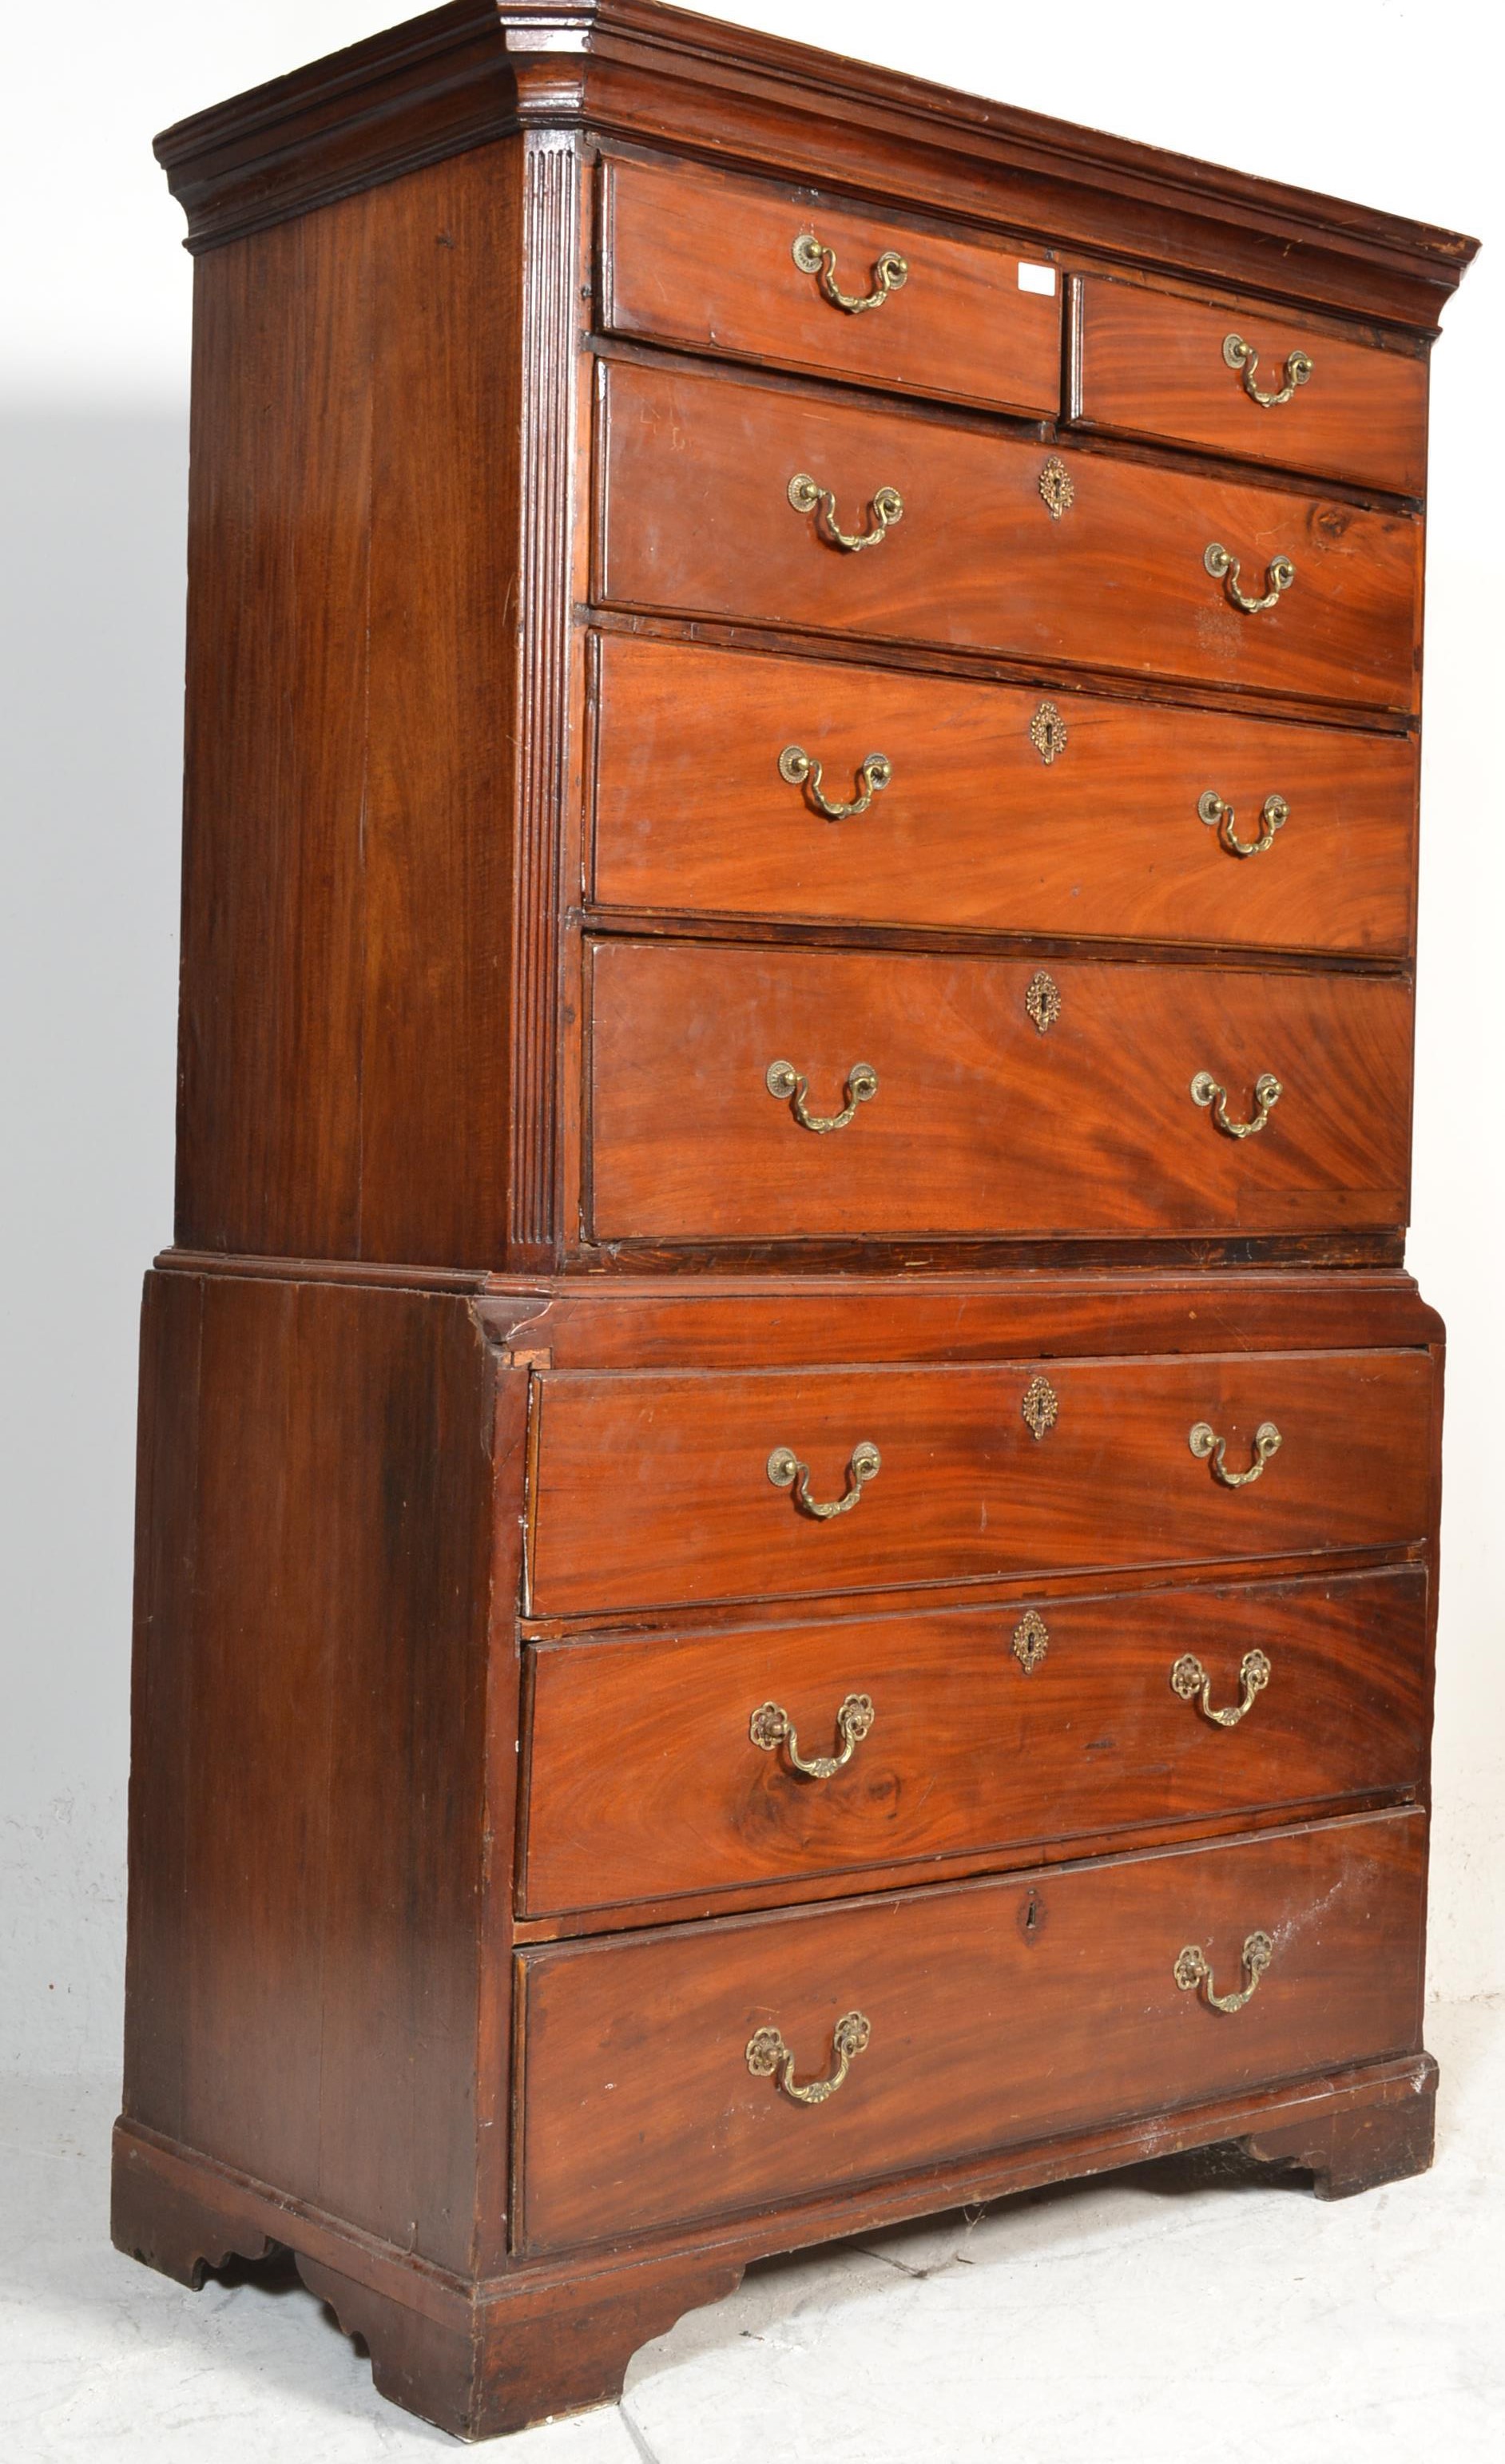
[[653, 1488], [759, 272], [735, 785], [978, 2016], [987, 1097], [702, 1762], [981, 541], [1242, 376]]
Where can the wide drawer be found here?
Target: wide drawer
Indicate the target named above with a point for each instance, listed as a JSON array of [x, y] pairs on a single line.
[[1005, 809], [660, 1766], [651, 1488], [995, 2013], [1149, 362], [698, 258], [977, 1122], [698, 519]]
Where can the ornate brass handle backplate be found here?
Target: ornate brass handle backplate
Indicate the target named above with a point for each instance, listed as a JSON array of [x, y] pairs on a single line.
[[1191, 1681], [785, 1470], [785, 1083], [1210, 1096], [891, 272], [1242, 357], [1208, 1446], [772, 1727], [807, 497], [1279, 575], [1192, 1971], [768, 2056], [801, 769], [1274, 816]]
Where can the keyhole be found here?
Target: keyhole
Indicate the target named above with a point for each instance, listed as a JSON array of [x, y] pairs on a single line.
[[1031, 1918]]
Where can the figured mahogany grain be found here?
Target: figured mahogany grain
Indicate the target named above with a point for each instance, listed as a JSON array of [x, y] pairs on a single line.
[[695, 519], [308, 1753], [643, 1779], [699, 257], [653, 1488], [974, 830], [1149, 362], [980, 1123], [990, 2005]]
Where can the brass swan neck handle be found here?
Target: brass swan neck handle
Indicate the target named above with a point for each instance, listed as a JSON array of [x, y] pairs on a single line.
[[787, 1086], [807, 497], [1274, 816], [890, 273], [1190, 1681], [1208, 1096], [1245, 359], [1279, 575], [1192, 1971], [801, 769], [1208, 1447], [787, 1471], [771, 1727], [768, 2056]]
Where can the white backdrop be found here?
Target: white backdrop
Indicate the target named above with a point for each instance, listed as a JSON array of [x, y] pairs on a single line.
[[1382, 100]]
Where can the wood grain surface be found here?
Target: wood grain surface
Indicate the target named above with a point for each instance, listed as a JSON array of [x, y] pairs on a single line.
[[695, 519], [974, 831], [642, 1778], [980, 1123], [653, 1488], [999, 2011], [1149, 362], [698, 258]]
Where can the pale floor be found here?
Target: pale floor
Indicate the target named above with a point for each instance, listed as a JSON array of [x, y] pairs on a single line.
[[1158, 2317]]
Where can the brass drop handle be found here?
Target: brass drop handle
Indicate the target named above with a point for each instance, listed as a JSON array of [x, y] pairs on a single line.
[[1191, 1681], [891, 272], [807, 497], [1242, 356], [784, 1470], [1274, 813], [1279, 575], [1207, 1444], [1207, 1093], [1192, 1971], [785, 1083], [801, 769], [771, 1727], [768, 2056]]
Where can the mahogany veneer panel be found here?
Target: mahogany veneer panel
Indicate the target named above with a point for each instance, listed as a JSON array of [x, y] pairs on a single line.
[[697, 257], [654, 1489], [980, 1122], [695, 519], [976, 832], [990, 2006], [1149, 362], [643, 1780]]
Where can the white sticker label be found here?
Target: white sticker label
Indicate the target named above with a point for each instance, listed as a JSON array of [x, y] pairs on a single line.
[[1038, 278]]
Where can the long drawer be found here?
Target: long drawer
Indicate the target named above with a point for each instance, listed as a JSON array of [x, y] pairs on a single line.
[[978, 2016], [698, 519], [702, 1762], [653, 1488], [998, 807], [1001, 1098]]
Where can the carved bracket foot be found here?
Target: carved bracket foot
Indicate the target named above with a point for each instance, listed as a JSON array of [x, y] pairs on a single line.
[[183, 2230], [1358, 2146]]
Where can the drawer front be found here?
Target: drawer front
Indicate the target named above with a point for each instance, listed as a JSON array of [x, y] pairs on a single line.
[[698, 521], [980, 1124], [651, 1489], [1105, 838], [1150, 364], [651, 1772], [998, 2013], [697, 257]]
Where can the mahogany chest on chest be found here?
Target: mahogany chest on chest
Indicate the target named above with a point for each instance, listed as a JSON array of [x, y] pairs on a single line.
[[788, 1475]]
